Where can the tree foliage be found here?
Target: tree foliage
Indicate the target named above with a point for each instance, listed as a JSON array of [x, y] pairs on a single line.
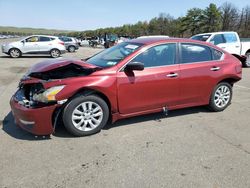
[[211, 19]]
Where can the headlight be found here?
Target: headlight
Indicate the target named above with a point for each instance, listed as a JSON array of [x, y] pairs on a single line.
[[48, 95]]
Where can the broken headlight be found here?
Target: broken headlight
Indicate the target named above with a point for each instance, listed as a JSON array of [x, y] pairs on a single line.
[[49, 95]]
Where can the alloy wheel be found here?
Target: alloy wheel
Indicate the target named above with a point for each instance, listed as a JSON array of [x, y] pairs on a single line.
[[222, 96], [14, 53], [87, 116]]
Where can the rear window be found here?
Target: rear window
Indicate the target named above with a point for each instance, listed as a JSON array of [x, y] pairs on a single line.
[[44, 39], [217, 54], [65, 39], [191, 53], [217, 39], [201, 37], [230, 37]]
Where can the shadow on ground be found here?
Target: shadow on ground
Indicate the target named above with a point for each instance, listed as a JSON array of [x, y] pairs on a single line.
[[13, 130], [62, 132]]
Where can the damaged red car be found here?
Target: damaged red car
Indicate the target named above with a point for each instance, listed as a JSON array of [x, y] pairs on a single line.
[[137, 77]]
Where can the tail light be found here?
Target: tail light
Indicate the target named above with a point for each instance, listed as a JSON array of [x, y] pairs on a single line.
[[62, 43]]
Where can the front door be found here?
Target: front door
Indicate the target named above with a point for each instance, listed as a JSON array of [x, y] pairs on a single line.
[[155, 87], [30, 45]]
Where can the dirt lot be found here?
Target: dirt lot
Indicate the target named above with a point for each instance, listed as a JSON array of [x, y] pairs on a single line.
[[190, 148]]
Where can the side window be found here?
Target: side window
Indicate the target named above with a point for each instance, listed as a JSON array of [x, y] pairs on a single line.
[[230, 37], [217, 39], [32, 39], [216, 54], [158, 55], [191, 53], [44, 39]]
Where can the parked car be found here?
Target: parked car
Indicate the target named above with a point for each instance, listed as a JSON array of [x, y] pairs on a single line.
[[35, 44], [230, 42], [70, 43], [137, 77], [85, 41]]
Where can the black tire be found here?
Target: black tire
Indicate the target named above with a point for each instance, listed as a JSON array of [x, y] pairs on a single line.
[[15, 53], [216, 97], [55, 53], [247, 62], [77, 104], [71, 49]]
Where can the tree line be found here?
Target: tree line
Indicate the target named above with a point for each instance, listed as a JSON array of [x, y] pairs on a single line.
[[226, 17]]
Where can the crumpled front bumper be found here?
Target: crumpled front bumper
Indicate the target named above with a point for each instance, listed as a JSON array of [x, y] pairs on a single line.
[[37, 121]]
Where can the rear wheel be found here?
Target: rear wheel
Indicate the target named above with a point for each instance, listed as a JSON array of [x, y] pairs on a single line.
[[55, 53], [71, 49], [221, 97], [85, 115], [15, 53], [247, 62]]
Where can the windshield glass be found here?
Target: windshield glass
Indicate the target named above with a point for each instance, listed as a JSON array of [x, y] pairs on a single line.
[[201, 37], [114, 55]]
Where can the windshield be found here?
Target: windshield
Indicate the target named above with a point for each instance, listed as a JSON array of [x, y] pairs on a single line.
[[201, 37], [114, 55]]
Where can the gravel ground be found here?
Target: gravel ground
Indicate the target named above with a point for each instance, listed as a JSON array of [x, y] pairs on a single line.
[[190, 148]]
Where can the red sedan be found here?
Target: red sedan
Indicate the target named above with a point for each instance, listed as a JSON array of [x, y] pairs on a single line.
[[133, 78]]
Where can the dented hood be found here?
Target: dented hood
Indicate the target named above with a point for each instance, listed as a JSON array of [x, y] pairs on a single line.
[[45, 66], [60, 69]]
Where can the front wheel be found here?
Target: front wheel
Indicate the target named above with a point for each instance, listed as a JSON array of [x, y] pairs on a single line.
[[55, 53], [221, 97], [247, 62], [85, 115], [15, 53]]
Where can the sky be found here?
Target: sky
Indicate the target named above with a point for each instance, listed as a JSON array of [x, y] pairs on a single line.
[[83, 15]]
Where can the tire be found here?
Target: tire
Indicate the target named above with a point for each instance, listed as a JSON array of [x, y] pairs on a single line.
[[55, 53], [71, 49], [85, 115], [247, 62], [15, 53], [221, 97]]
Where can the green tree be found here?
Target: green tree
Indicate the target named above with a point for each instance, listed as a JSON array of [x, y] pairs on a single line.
[[211, 20]]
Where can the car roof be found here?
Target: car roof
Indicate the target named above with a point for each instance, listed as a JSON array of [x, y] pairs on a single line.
[[152, 40], [42, 36], [159, 40], [221, 32]]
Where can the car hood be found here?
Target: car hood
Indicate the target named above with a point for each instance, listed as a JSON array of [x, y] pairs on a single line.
[[54, 64], [12, 43], [60, 69]]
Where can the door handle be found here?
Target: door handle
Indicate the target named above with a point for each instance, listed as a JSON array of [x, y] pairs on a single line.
[[172, 75], [215, 68], [237, 46]]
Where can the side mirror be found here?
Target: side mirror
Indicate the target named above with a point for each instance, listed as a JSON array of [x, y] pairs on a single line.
[[23, 41], [134, 66]]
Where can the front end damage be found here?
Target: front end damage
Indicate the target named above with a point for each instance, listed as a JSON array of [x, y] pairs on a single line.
[[33, 116], [35, 106]]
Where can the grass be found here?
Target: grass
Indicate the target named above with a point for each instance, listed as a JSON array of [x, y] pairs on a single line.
[[24, 30]]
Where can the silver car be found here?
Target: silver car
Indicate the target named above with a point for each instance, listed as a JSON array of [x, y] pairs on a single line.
[[70, 43], [35, 44]]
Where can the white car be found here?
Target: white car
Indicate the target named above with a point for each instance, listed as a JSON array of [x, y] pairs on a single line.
[[230, 42], [35, 44]]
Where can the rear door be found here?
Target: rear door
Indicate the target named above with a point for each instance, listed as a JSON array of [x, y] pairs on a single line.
[[155, 87], [200, 69], [45, 44]]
